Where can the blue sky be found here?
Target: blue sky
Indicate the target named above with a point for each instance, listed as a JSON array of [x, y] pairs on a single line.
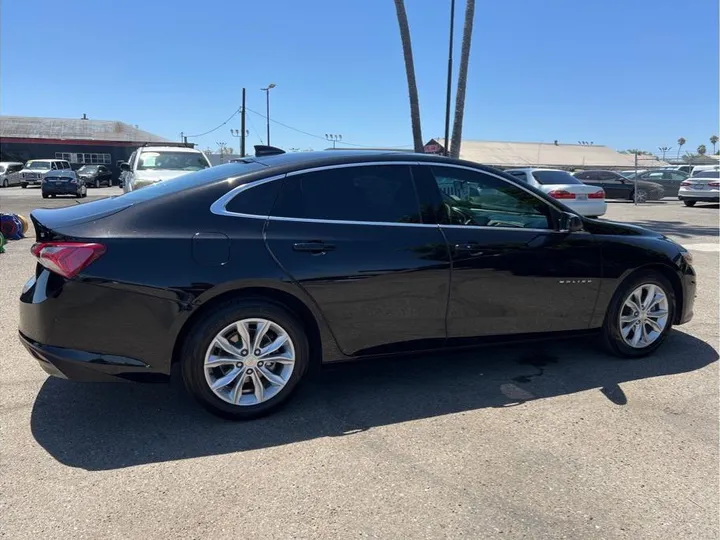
[[637, 73]]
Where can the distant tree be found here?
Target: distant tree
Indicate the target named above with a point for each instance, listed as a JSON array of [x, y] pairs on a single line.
[[714, 140], [456, 139], [701, 150], [410, 74], [681, 141], [636, 151]]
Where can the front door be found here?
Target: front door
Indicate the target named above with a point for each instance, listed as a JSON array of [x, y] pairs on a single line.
[[513, 271], [354, 240]]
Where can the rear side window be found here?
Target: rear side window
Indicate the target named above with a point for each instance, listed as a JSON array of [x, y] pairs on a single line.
[[554, 178], [519, 175], [257, 200], [379, 193]]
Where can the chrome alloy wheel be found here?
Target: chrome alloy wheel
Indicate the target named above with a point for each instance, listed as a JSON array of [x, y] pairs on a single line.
[[249, 362], [644, 315]]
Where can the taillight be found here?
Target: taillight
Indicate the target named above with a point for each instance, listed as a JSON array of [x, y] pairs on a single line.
[[714, 184], [66, 258], [561, 194], [597, 195], [686, 184]]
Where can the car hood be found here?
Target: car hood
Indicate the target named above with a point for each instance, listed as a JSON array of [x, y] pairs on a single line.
[[157, 175], [602, 226]]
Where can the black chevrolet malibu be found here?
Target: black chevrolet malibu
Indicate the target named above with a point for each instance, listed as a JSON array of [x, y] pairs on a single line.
[[249, 273]]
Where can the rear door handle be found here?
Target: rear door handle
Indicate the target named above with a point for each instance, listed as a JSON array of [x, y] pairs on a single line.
[[471, 248], [313, 247]]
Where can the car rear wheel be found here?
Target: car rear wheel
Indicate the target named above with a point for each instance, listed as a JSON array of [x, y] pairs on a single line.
[[640, 315], [45, 195], [5, 183], [245, 358], [689, 203], [23, 185]]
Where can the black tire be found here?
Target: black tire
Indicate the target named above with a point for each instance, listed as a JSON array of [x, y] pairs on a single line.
[[78, 195], [642, 196], [45, 195], [689, 203], [5, 183], [97, 184], [611, 327], [23, 185], [204, 331]]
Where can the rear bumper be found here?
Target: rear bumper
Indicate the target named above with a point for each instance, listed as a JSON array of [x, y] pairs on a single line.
[[71, 189], [588, 208], [701, 196], [89, 367], [92, 332]]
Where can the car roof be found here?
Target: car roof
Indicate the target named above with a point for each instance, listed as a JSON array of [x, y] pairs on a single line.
[[531, 169], [63, 172], [161, 148], [10, 163]]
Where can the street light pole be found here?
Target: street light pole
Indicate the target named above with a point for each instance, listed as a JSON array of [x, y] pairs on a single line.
[[267, 108], [333, 138], [664, 149], [221, 146]]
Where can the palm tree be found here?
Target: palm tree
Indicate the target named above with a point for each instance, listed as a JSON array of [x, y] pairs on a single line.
[[681, 141], [410, 72], [462, 79], [701, 150], [714, 140]]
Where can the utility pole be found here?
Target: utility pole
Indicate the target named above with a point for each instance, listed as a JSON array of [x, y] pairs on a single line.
[[242, 126], [449, 79], [333, 138]]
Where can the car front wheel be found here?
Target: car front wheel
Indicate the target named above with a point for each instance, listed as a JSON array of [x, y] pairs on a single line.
[[245, 359], [640, 316], [689, 203], [23, 185]]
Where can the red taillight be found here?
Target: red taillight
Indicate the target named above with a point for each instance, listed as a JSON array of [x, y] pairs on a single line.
[[561, 194], [597, 195], [686, 184], [66, 258], [714, 184]]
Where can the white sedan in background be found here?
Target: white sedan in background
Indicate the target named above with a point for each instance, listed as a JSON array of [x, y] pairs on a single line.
[[702, 187], [584, 199]]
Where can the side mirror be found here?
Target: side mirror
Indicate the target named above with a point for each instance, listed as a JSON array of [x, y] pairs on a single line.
[[124, 166], [570, 223]]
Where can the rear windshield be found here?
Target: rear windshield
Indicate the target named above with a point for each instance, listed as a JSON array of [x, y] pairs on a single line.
[[554, 178], [707, 174], [172, 161], [191, 180]]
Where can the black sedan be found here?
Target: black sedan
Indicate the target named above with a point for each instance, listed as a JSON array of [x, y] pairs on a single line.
[[616, 186], [95, 175], [249, 273], [63, 182]]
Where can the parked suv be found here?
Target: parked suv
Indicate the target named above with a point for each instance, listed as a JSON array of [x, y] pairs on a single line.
[[617, 186], [9, 173], [151, 164], [35, 169], [95, 175]]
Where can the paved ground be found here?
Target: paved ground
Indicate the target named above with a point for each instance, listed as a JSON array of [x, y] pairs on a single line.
[[542, 441]]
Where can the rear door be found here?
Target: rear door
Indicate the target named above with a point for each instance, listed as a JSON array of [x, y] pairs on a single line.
[[354, 239], [615, 186], [513, 273]]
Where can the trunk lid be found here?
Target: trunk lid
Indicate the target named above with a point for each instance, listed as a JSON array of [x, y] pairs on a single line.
[[55, 223]]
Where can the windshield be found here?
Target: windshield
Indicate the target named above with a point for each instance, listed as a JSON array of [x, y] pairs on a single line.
[[37, 165], [88, 168], [554, 178], [191, 180], [707, 174], [172, 161], [2, 168]]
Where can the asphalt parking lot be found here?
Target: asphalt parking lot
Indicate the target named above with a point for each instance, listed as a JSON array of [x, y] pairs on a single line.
[[551, 440]]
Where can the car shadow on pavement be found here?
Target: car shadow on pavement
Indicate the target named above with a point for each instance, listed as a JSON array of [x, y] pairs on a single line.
[[110, 426], [678, 228]]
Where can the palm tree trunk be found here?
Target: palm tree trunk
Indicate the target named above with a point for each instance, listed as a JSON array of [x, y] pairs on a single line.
[[462, 79], [410, 72]]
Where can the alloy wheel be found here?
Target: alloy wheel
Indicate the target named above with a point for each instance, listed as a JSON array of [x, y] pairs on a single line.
[[644, 315], [249, 362]]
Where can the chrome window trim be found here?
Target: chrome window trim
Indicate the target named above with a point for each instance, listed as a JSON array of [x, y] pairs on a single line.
[[219, 207]]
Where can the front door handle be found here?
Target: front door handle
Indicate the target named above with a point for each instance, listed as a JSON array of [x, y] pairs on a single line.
[[313, 247], [471, 248]]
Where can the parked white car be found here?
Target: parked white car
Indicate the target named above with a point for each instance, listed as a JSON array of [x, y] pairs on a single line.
[[36, 169], [584, 199], [702, 187], [151, 164], [9, 173]]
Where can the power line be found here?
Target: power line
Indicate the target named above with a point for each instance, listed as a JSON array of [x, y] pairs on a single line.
[[255, 131], [215, 129]]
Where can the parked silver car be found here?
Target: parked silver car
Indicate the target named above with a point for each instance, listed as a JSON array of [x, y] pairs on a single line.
[[9, 173]]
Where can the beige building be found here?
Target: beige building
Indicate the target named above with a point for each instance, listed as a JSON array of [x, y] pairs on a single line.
[[551, 155]]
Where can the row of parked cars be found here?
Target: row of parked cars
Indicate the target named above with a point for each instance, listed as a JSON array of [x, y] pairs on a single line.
[[54, 176]]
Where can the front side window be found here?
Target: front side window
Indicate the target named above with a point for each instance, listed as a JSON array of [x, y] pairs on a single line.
[[378, 193], [172, 161], [478, 199]]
